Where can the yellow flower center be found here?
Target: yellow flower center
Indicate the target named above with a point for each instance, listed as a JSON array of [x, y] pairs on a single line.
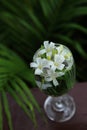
[[56, 64], [48, 58], [39, 66]]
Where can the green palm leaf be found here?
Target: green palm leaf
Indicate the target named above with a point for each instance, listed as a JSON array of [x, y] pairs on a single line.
[[24, 87], [73, 26], [11, 69], [23, 97], [79, 11], [76, 2], [20, 103], [17, 98], [7, 110], [1, 116]]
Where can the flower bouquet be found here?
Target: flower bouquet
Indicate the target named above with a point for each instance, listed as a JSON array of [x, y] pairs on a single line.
[[54, 71]]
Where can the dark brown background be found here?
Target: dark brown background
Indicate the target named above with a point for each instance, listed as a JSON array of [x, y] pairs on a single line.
[[79, 121]]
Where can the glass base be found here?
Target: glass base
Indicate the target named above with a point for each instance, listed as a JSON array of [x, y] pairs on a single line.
[[60, 109]]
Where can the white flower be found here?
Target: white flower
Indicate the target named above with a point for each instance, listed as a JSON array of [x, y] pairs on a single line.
[[48, 48], [58, 62], [51, 62], [63, 51], [60, 49], [52, 75], [39, 64]]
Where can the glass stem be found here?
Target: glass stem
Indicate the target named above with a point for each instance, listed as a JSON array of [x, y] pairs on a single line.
[[57, 104]]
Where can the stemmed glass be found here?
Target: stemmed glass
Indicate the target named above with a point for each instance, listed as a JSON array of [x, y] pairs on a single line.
[[54, 70]]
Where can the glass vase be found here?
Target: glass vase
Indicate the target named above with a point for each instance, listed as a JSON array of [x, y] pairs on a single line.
[[59, 106]]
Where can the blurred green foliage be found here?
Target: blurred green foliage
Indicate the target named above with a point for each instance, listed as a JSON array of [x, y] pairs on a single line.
[[24, 26]]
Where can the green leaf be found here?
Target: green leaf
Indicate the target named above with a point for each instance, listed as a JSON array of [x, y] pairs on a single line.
[[27, 91], [29, 95], [46, 8], [21, 104], [4, 70], [5, 62], [28, 76], [1, 117], [76, 2], [35, 20], [5, 54], [75, 12], [22, 95], [10, 6], [9, 55], [24, 98], [74, 26], [7, 110], [10, 62], [2, 76], [30, 28], [80, 11]]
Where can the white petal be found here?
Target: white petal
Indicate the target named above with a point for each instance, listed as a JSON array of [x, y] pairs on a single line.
[[47, 62], [38, 71], [38, 60], [55, 82], [64, 52], [50, 63], [46, 44], [53, 67], [49, 54], [41, 52], [33, 64], [56, 57], [59, 49], [61, 66], [59, 58], [62, 59], [52, 45], [44, 63]]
